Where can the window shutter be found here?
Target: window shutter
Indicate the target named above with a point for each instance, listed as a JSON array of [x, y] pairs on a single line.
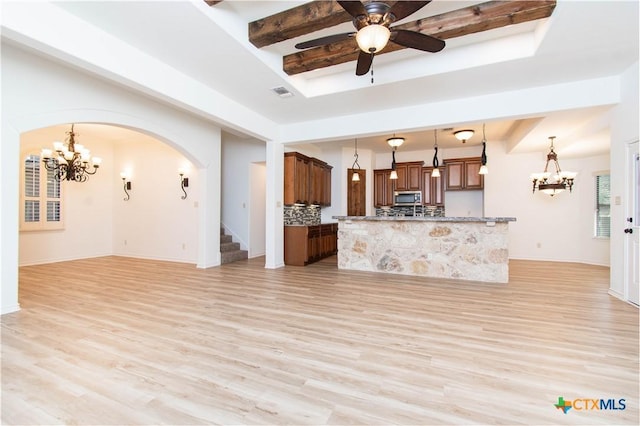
[[603, 206], [41, 197], [32, 176]]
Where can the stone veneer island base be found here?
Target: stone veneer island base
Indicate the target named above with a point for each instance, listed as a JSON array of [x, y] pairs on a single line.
[[463, 248]]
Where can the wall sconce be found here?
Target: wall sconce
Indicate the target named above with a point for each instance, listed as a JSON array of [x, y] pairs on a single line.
[[184, 183], [126, 184]]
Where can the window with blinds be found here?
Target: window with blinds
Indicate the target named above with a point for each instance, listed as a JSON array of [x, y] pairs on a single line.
[[603, 206], [41, 197], [32, 189]]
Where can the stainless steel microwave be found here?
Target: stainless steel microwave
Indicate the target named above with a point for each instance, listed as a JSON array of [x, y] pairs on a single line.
[[407, 198]]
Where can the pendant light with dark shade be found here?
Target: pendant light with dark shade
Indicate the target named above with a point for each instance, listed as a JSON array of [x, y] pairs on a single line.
[[483, 158], [436, 171]]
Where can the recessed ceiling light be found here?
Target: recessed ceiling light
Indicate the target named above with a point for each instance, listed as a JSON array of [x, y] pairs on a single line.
[[282, 92]]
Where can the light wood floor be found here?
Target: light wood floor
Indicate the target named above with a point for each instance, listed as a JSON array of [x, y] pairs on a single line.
[[124, 341]]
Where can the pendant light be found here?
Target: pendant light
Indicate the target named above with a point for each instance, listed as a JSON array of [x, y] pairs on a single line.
[[436, 171], [355, 177], [394, 142], [483, 158]]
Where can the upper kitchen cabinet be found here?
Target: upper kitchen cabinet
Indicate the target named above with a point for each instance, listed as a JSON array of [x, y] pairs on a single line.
[[383, 188], [296, 178], [306, 180], [320, 187], [432, 188], [409, 176], [462, 174]]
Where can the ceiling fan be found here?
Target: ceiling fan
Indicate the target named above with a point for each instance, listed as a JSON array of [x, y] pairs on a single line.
[[372, 21]]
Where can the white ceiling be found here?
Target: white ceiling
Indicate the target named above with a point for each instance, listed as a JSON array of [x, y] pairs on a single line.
[[581, 40]]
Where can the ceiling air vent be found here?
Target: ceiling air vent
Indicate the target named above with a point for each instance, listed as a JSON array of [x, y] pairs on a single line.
[[282, 92]]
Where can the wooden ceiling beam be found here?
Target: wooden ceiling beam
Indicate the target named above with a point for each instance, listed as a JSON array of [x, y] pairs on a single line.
[[469, 20], [297, 21]]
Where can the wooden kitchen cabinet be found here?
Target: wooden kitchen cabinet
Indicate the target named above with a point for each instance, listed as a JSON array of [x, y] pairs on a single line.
[[326, 188], [306, 180], [432, 188], [383, 188], [409, 176], [296, 178], [409, 179], [308, 244], [462, 174], [316, 187], [473, 180]]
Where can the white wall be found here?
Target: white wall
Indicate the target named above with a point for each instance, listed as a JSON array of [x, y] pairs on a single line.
[[365, 160], [38, 93], [155, 223], [257, 209], [547, 228], [334, 159], [624, 130], [464, 204], [86, 211], [237, 156]]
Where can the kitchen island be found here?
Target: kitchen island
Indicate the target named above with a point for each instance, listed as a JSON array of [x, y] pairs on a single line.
[[463, 248]]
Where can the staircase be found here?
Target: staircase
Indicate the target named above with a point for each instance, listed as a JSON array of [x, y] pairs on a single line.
[[230, 251]]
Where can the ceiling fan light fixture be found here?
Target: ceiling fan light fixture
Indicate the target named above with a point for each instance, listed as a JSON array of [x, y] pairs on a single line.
[[373, 38], [463, 135]]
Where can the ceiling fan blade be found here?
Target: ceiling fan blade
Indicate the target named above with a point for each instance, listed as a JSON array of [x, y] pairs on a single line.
[[364, 63], [353, 8], [324, 40], [417, 40], [402, 9]]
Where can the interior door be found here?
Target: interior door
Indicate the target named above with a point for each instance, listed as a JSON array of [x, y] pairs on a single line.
[[633, 227], [357, 194]]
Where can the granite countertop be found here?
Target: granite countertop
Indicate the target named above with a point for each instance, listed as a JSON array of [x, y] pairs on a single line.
[[426, 218], [312, 224]]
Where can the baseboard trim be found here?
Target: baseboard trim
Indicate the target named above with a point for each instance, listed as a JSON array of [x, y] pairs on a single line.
[[10, 309], [615, 294], [274, 266], [560, 261]]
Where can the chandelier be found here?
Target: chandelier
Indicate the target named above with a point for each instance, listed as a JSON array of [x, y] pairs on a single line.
[[70, 160], [549, 183]]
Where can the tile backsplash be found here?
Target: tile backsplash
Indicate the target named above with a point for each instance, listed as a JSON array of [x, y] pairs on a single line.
[[435, 211], [301, 215]]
